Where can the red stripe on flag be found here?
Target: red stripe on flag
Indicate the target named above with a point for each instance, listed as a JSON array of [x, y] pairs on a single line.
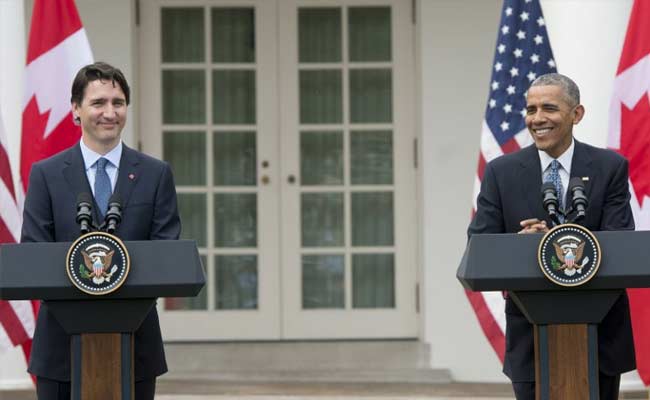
[[510, 146], [12, 324], [5, 171], [488, 324], [5, 234], [52, 22], [637, 42], [481, 167]]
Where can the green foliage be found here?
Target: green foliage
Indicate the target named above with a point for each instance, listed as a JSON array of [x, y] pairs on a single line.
[[555, 263], [83, 272]]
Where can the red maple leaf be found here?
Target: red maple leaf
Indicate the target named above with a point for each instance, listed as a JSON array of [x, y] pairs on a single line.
[[635, 145], [34, 146]]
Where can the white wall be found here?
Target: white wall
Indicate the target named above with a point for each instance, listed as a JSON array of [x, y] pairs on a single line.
[[111, 31], [456, 44]]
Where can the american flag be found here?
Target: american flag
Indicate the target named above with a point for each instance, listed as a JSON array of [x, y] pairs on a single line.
[[523, 53]]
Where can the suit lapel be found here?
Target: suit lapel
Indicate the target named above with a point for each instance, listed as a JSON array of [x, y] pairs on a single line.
[[128, 174], [580, 167], [74, 172], [530, 175]]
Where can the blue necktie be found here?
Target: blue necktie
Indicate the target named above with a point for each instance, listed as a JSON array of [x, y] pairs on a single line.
[[554, 177], [103, 188]]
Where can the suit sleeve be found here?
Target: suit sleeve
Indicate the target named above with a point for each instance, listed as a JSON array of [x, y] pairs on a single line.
[[166, 224], [617, 214], [489, 210], [38, 219]]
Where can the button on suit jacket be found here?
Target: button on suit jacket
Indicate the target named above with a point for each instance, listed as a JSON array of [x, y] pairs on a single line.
[[510, 193], [149, 212]]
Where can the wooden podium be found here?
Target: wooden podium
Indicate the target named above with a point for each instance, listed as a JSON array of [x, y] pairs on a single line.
[[102, 348], [565, 319]]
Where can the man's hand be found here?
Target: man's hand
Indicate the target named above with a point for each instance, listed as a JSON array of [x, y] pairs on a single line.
[[533, 225]]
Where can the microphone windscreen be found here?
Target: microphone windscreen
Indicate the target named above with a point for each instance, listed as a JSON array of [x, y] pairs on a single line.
[[115, 198], [546, 186], [576, 182], [85, 197]]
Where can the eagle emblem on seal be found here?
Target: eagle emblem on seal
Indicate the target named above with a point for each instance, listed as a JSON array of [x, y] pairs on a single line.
[[97, 263], [569, 252]]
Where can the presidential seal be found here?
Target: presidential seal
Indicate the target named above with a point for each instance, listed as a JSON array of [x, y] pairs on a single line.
[[97, 263], [569, 255]]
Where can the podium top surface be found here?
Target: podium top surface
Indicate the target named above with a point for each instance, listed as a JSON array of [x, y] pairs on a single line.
[[509, 262], [169, 268]]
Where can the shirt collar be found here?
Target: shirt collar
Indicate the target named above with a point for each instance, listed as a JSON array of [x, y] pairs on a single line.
[[90, 157], [564, 159]]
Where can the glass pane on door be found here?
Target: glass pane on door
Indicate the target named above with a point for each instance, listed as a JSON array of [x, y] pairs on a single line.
[[209, 117]]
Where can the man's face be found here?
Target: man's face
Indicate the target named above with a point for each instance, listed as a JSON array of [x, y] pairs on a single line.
[[550, 118], [102, 114]]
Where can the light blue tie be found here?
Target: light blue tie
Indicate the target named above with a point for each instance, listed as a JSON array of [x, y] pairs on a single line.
[[554, 177], [103, 188]]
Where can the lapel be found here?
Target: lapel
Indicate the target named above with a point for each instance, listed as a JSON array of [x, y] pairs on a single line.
[[128, 174], [530, 174], [580, 165], [74, 172]]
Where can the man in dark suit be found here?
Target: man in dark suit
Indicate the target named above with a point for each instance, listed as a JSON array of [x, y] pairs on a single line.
[[510, 201], [100, 96]]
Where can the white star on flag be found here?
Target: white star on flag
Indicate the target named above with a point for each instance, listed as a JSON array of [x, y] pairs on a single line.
[[498, 66], [505, 29], [509, 11], [524, 16], [511, 90], [534, 58], [501, 48], [505, 125], [551, 63], [495, 85], [538, 39], [540, 21], [517, 53], [514, 72], [531, 76], [523, 112], [507, 108], [493, 103], [521, 35]]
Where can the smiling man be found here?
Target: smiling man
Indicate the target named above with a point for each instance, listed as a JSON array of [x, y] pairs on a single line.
[[510, 201], [102, 165]]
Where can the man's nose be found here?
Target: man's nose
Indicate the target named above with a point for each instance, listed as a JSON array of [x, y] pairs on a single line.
[[109, 111]]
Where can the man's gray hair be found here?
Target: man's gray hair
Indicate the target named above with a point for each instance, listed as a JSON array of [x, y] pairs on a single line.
[[568, 86]]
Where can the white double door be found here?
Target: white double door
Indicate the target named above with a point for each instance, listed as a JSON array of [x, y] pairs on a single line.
[[289, 127]]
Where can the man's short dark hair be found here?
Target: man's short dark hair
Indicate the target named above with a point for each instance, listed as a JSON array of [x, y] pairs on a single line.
[[98, 71], [571, 90]]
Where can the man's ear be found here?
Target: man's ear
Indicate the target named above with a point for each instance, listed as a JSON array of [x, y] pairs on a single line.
[[75, 113], [579, 112]]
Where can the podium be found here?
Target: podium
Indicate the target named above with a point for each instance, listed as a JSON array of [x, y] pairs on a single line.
[[102, 348], [564, 319]]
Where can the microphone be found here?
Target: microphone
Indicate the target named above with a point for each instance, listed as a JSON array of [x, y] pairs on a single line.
[[579, 200], [114, 213], [84, 212], [550, 202]]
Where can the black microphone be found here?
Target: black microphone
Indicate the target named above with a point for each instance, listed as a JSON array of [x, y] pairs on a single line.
[[84, 212], [550, 202], [578, 197], [114, 213]]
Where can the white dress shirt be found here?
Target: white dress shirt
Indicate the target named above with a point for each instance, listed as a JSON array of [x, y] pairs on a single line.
[[564, 170], [90, 163]]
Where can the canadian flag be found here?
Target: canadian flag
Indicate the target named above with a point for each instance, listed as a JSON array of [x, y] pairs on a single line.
[[58, 48], [629, 134]]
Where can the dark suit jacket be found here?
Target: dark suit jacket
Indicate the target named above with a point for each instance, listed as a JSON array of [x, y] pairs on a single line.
[[510, 193], [149, 212]]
